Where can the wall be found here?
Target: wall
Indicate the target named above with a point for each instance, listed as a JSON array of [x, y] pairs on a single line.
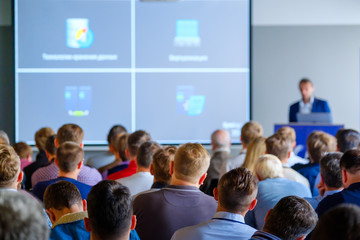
[[315, 39], [7, 103]]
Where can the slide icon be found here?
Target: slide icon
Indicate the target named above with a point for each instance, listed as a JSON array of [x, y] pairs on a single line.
[[78, 33], [187, 33], [187, 103], [78, 100]]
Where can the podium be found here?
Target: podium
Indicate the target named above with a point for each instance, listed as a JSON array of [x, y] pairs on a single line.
[[303, 130]]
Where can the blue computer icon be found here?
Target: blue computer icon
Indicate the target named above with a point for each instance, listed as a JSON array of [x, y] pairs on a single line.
[[187, 102], [187, 33], [78, 100]]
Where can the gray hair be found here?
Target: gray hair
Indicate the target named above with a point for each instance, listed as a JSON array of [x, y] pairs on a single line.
[[21, 218], [221, 138], [4, 138]]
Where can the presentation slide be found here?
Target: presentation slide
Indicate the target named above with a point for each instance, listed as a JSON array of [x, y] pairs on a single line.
[[177, 69]]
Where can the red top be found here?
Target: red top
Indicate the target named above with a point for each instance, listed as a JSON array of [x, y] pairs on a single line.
[[127, 172]]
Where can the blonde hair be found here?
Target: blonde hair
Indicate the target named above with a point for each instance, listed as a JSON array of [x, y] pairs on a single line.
[[318, 144], [41, 136], [268, 166], [250, 131], [191, 161], [288, 132], [255, 149], [9, 165]]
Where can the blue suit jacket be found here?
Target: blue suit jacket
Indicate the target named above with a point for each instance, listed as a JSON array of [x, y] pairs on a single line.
[[318, 106]]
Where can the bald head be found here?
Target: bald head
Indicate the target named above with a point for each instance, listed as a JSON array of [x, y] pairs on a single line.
[[220, 139]]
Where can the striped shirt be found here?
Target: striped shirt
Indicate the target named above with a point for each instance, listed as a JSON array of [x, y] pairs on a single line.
[[87, 175]]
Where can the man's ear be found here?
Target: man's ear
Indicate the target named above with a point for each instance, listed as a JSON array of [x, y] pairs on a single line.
[[321, 179], [84, 205], [151, 169], [133, 222], [20, 177], [51, 215], [253, 204], [80, 164], [111, 148], [56, 162], [56, 142], [127, 153], [82, 145], [87, 224], [216, 193], [301, 238], [344, 177], [202, 179], [267, 215], [171, 168]]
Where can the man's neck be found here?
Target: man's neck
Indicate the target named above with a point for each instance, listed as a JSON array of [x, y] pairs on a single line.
[[94, 237], [332, 189], [13, 186], [284, 161], [307, 100], [221, 209], [73, 175], [179, 182], [142, 169]]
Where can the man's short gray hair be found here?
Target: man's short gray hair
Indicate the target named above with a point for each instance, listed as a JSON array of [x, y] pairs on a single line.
[[21, 217], [4, 138], [221, 138]]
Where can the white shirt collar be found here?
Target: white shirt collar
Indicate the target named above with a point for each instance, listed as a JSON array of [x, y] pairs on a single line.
[[302, 104]]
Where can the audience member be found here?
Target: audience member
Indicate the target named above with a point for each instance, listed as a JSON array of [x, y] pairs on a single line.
[[236, 195], [220, 145], [255, 149], [347, 139], [249, 132], [67, 133], [110, 212], [103, 159], [134, 141], [67, 210], [142, 179], [280, 146], [318, 144], [41, 160], [160, 168], [271, 188], [24, 151], [292, 218], [21, 218], [121, 160], [10, 172], [4, 138], [50, 151], [331, 181], [291, 134], [350, 169], [181, 204], [69, 159], [341, 222]]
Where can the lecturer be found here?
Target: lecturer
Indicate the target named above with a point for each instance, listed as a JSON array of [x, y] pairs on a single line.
[[308, 104]]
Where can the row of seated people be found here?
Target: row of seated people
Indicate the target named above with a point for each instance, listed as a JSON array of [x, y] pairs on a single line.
[[180, 172]]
